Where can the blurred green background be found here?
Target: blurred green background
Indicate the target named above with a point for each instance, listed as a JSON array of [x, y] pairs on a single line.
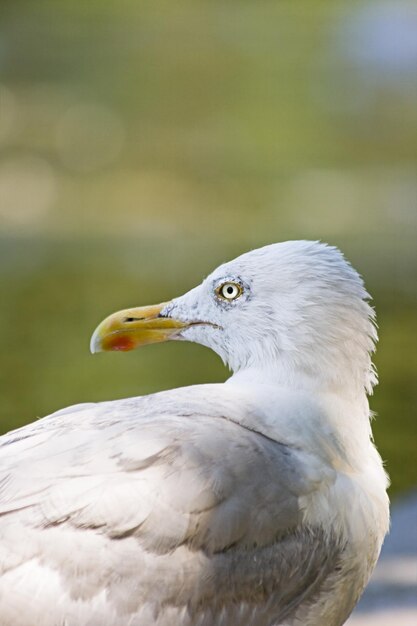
[[143, 143]]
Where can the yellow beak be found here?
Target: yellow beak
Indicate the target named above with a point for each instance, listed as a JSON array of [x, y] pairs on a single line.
[[131, 328]]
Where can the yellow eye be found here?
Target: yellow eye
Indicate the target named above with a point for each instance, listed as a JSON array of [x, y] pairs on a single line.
[[229, 291]]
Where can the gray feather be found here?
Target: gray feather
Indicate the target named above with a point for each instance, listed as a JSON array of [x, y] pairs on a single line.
[[149, 509]]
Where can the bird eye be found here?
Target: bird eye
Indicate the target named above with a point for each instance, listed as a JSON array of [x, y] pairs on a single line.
[[229, 291]]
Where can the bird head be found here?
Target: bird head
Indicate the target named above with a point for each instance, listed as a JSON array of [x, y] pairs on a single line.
[[296, 307]]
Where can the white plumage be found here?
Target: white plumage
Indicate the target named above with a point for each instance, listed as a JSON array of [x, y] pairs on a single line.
[[257, 502]]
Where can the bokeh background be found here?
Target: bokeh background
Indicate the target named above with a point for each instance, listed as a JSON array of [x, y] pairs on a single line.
[[143, 143]]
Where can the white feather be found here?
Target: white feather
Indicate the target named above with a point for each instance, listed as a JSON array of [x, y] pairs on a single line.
[[261, 501]]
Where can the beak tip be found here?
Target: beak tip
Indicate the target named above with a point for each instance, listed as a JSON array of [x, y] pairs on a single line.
[[95, 344]]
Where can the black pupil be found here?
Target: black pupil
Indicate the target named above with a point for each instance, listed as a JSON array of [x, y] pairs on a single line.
[[230, 290]]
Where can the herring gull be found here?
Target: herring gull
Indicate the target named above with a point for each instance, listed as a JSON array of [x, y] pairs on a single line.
[[260, 501]]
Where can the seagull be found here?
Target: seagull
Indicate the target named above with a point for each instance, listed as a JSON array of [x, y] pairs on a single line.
[[260, 501]]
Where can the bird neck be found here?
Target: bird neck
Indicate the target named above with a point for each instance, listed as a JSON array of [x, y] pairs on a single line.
[[282, 375], [293, 398]]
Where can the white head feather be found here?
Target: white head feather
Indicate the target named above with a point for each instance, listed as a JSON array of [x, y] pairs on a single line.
[[303, 313]]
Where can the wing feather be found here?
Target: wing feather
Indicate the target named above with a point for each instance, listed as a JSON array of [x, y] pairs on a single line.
[[158, 489]]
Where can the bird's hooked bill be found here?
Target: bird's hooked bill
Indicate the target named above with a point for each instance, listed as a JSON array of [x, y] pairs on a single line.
[[131, 328]]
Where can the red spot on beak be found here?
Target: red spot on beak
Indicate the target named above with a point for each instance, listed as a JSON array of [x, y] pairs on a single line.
[[121, 343]]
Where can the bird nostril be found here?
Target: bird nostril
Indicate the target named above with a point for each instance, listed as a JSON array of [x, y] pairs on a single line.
[[133, 319]]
